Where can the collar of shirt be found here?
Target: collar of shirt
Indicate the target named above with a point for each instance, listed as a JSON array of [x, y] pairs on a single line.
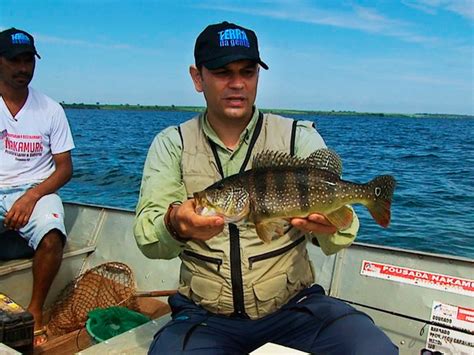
[[231, 159], [244, 136]]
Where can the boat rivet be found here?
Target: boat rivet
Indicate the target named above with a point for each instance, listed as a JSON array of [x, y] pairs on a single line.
[[402, 342]]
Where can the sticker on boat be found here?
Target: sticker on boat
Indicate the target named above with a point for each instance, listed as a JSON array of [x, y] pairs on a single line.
[[418, 277], [451, 341]]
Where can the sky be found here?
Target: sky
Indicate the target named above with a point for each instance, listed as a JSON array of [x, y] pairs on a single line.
[[407, 56]]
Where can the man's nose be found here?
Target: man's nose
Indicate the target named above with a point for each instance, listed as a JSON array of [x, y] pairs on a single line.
[[237, 81], [24, 65]]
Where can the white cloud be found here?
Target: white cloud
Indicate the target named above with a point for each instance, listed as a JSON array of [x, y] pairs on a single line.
[[433, 80], [355, 17], [79, 42], [464, 8], [88, 44], [76, 42]]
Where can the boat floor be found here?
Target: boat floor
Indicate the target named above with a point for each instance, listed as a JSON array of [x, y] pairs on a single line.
[[80, 340]]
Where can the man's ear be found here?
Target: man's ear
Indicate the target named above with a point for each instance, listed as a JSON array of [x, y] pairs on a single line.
[[197, 77]]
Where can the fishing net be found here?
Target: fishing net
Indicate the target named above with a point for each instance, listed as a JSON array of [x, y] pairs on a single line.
[[104, 324], [106, 285]]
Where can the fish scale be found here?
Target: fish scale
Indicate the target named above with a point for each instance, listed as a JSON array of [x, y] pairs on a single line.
[[312, 189]]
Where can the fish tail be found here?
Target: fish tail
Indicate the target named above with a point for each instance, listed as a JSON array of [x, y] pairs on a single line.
[[381, 193]]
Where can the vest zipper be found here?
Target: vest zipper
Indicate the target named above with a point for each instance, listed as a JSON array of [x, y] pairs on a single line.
[[236, 272], [274, 253], [234, 234], [208, 259]]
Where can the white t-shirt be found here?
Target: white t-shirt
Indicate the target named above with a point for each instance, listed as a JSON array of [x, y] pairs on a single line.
[[29, 140]]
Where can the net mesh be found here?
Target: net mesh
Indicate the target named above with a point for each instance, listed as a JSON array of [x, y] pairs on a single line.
[[106, 285], [104, 324]]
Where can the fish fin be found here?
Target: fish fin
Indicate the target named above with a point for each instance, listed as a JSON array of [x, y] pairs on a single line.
[[325, 159], [382, 188], [281, 226], [269, 158], [266, 230], [341, 218]]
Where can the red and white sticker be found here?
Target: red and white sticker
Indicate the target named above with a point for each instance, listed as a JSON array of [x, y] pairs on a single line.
[[453, 316], [449, 340], [418, 277]]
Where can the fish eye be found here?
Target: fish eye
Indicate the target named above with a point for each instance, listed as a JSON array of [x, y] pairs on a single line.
[[378, 191], [220, 186]]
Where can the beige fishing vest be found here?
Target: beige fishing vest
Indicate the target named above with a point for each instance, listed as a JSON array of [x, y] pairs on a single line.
[[235, 273]]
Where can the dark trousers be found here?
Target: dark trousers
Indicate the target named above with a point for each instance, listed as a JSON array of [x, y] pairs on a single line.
[[311, 322], [14, 246]]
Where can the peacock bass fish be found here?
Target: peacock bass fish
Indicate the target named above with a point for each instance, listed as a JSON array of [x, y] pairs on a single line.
[[279, 187]]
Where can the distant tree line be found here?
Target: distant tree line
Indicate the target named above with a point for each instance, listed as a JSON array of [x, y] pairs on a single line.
[[99, 106]]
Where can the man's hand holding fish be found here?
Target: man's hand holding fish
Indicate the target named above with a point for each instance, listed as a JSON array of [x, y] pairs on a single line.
[[190, 225]]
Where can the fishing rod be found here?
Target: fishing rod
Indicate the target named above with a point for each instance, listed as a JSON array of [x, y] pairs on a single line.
[[427, 322]]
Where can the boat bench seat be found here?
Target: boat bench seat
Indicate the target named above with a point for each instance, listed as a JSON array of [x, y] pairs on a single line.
[[72, 248], [81, 225]]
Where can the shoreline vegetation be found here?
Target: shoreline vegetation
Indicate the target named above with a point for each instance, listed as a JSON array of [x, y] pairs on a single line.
[[124, 107]]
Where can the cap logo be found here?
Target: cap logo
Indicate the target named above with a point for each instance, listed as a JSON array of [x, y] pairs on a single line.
[[20, 38], [233, 37]]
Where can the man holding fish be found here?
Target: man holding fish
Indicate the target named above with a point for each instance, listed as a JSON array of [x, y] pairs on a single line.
[[237, 195]]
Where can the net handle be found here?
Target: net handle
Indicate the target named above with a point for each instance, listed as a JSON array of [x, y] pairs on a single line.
[[161, 293]]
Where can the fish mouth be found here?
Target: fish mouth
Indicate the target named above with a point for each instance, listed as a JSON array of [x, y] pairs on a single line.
[[200, 202], [203, 207], [199, 210], [198, 198]]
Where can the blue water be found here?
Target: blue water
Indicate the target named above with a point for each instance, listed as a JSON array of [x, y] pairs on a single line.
[[431, 158]]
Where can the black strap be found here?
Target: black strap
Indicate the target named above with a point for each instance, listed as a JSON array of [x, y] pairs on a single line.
[[216, 157], [182, 150], [253, 140], [181, 136], [293, 138]]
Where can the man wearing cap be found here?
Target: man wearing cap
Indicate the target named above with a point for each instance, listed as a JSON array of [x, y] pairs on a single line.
[[237, 293], [35, 161]]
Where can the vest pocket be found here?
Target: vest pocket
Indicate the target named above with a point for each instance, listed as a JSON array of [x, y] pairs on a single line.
[[205, 258], [300, 276], [275, 253], [270, 294], [206, 292]]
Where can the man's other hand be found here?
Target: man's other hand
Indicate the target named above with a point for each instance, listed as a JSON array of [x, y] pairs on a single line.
[[315, 223], [20, 212]]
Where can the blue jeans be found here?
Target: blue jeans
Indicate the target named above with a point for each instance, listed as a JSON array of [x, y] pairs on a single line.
[[311, 322]]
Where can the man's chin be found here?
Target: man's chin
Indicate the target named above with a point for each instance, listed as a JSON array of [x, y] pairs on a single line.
[[238, 113]]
